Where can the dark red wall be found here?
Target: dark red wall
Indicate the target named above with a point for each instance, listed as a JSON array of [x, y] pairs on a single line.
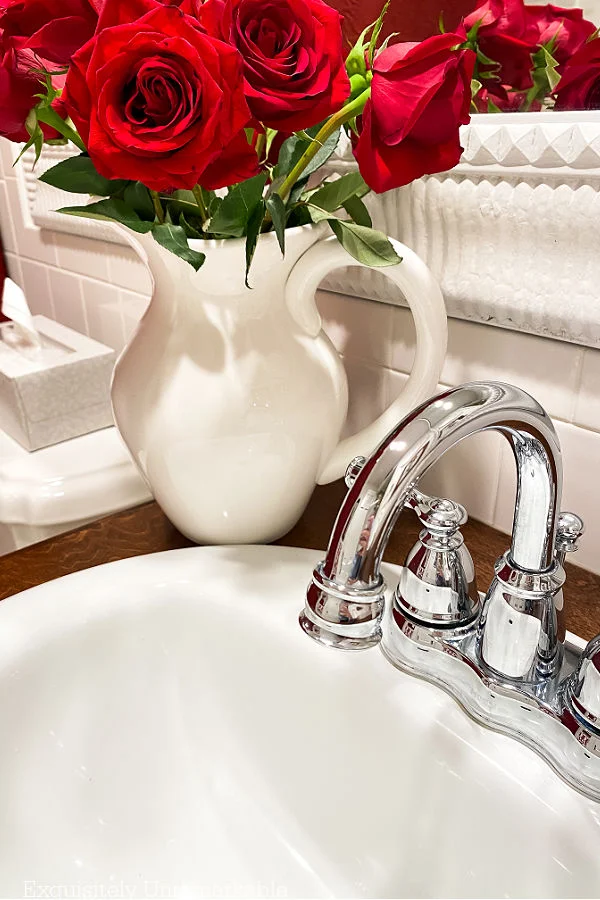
[[413, 19]]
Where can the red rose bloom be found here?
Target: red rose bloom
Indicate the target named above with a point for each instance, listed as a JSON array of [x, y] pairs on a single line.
[[567, 26], [18, 90], [17, 97], [293, 63], [579, 87], [159, 101], [506, 36], [420, 95], [47, 30]]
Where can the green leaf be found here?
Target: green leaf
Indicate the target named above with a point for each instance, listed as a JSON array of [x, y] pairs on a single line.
[[389, 38], [254, 226], [78, 175], [319, 215], [191, 230], [297, 190], [476, 86], [290, 152], [234, 213], [299, 215], [357, 211], [136, 196], [174, 238], [544, 75], [322, 155], [36, 137], [277, 211], [112, 210], [367, 245], [334, 194], [49, 116]]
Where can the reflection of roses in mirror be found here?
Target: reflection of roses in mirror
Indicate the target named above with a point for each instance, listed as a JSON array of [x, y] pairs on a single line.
[[420, 95], [293, 61], [565, 28], [579, 87], [506, 37], [157, 100]]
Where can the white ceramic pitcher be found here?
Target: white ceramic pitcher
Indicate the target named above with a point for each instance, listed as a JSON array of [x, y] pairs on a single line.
[[232, 401]]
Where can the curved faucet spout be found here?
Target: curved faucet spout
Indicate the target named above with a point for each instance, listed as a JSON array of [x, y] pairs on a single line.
[[351, 569]]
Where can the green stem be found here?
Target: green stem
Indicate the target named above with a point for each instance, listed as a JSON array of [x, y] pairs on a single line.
[[261, 146], [160, 213], [348, 112], [197, 192]]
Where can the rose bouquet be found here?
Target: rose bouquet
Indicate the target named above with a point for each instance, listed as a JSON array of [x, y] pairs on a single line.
[[170, 102], [530, 57]]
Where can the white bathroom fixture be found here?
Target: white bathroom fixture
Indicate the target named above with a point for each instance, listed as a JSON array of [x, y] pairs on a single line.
[[61, 487], [169, 731]]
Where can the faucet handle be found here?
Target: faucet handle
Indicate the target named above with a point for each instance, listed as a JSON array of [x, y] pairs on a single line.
[[569, 530], [354, 470], [444, 517], [437, 586]]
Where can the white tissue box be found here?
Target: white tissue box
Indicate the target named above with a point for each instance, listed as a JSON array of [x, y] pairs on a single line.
[[57, 391]]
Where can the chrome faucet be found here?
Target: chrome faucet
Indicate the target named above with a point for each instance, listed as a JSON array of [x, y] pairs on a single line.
[[505, 659]]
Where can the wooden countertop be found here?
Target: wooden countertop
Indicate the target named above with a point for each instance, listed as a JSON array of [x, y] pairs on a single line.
[[146, 529]]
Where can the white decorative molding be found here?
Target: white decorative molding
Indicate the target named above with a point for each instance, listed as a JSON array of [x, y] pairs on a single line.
[[512, 233]]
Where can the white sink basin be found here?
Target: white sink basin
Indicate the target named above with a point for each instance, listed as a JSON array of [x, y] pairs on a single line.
[[169, 731]]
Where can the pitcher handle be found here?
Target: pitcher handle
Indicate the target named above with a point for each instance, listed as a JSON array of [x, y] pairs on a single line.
[[424, 297]]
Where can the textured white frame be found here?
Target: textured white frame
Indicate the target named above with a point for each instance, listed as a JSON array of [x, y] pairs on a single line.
[[512, 234]]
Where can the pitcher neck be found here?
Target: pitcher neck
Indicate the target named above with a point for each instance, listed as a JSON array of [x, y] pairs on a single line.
[[220, 280]]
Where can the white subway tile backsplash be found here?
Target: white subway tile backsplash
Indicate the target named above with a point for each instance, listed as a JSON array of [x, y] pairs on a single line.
[[68, 300], [126, 270], [36, 286], [32, 243], [103, 313], [587, 408], [469, 474], [359, 328], [9, 240], [368, 391], [547, 369], [581, 460], [82, 255], [7, 158], [13, 265], [403, 339], [581, 455]]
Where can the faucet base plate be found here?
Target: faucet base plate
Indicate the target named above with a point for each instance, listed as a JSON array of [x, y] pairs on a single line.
[[520, 711], [329, 638]]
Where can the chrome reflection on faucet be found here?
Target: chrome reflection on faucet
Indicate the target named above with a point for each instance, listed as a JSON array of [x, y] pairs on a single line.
[[504, 660]]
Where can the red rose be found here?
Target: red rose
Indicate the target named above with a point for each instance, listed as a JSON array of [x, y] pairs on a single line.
[[18, 89], [293, 62], [568, 26], [506, 36], [579, 87], [494, 96], [17, 97], [420, 95], [46, 30], [157, 100]]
